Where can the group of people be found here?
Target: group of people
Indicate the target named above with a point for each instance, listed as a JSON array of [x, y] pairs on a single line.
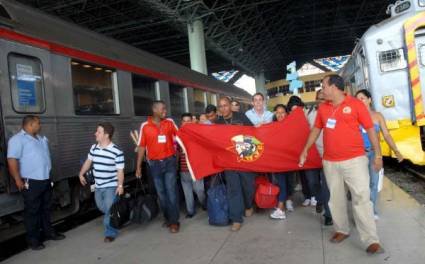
[[344, 129]]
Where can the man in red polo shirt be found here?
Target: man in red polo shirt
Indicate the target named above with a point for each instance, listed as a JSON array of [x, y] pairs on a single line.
[[345, 162], [157, 138]]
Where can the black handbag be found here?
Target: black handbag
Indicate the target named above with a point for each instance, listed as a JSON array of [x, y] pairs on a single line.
[[145, 207], [120, 212]]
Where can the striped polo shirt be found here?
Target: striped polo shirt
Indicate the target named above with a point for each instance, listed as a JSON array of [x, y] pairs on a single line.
[[106, 162]]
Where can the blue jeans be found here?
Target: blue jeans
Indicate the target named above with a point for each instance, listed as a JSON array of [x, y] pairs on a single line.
[[104, 198], [282, 182], [324, 195], [312, 178], [373, 182], [189, 186], [240, 193], [164, 174]]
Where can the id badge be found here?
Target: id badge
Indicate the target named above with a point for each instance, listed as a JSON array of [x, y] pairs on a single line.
[[331, 123], [162, 139]]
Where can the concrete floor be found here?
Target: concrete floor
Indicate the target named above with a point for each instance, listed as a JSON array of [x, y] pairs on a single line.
[[298, 239]]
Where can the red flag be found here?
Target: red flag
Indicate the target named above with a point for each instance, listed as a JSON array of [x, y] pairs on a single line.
[[273, 147]]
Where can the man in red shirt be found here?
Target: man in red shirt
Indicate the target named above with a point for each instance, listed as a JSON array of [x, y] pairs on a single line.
[[157, 138], [345, 162]]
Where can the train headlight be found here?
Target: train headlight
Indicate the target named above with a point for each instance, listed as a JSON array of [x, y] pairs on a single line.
[[388, 101]]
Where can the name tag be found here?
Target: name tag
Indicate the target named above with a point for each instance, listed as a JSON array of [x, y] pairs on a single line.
[[162, 139], [331, 123]]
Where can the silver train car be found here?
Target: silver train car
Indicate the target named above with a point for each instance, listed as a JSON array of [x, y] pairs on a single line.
[[73, 78], [389, 61]]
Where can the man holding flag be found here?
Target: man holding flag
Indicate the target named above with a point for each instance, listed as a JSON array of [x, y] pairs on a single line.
[[240, 185]]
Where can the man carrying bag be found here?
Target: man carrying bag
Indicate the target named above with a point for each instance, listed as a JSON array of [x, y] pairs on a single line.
[[108, 169]]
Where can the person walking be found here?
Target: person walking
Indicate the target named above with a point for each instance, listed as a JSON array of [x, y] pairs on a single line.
[[156, 138], [107, 161], [345, 162]]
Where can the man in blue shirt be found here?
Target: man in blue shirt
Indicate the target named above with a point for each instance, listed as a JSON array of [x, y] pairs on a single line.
[[29, 164], [259, 115]]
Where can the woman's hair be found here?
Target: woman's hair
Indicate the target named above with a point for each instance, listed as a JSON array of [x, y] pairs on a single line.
[[294, 100], [277, 106], [365, 93]]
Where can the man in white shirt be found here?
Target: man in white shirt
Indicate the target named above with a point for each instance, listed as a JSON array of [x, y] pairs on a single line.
[[259, 115]]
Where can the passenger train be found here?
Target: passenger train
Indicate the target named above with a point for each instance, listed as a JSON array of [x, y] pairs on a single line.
[[389, 61], [74, 78]]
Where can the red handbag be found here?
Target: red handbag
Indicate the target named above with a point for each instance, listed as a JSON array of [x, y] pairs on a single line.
[[262, 179], [266, 195]]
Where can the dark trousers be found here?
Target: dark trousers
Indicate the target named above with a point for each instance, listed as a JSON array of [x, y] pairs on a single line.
[[324, 194], [312, 178], [164, 174], [37, 201], [240, 193]]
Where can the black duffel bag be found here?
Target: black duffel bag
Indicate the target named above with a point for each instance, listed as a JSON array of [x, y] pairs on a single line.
[[145, 207], [120, 212]]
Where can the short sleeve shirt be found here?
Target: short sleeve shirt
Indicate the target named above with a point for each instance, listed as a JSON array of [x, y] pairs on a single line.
[[266, 117], [106, 163], [158, 141], [32, 154], [341, 135]]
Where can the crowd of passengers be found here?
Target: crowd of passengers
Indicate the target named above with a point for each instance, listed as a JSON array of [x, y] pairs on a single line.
[[345, 130]]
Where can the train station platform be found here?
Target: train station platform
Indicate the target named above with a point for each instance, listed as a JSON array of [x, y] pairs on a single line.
[[300, 238]]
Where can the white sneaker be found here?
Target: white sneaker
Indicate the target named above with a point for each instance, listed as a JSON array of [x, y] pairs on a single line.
[[376, 217], [289, 205], [306, 202], [278, 214], [313, 201]]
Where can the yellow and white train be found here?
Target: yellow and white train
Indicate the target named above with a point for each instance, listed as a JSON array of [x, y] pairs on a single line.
[[389, 61]]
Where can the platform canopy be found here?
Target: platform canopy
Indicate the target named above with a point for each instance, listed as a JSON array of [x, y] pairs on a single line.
[[249, 36]]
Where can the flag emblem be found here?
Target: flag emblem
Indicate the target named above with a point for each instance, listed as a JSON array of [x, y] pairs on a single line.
[[247, 148]]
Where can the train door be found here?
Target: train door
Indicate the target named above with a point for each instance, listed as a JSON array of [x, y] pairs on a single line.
[[420, 51], [26, 88]]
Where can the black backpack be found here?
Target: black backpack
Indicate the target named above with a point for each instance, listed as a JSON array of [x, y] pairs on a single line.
[[145, 207], [120, 212]]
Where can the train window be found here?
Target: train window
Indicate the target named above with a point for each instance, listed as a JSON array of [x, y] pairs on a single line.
[[422, 54], [177, 100], [211, 98], [391, 60], [26, 83], [143, 94], [95, 89], [199, 101]]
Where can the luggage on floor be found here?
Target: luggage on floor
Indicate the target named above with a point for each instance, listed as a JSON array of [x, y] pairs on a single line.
[[266, 195], [217, 205]]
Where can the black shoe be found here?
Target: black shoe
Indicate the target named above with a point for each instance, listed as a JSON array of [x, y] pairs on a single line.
[[55, 236], [37, 246], [319, 208], [190, 215], [328, 221]]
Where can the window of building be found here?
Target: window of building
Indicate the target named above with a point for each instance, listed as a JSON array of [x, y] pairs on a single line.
[[211, 98], [177, 100], [144, 93], [199, 101], [26, 83], [95, 89], [391, 60]]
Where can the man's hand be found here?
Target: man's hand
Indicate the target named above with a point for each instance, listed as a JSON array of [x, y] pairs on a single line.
[[377, 163], [139, 172], [120, 190], [400, 157], [83, 180], [20, 184], [303, 158]]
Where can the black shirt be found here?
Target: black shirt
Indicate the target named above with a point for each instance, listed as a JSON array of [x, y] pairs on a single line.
[[236, 119]]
